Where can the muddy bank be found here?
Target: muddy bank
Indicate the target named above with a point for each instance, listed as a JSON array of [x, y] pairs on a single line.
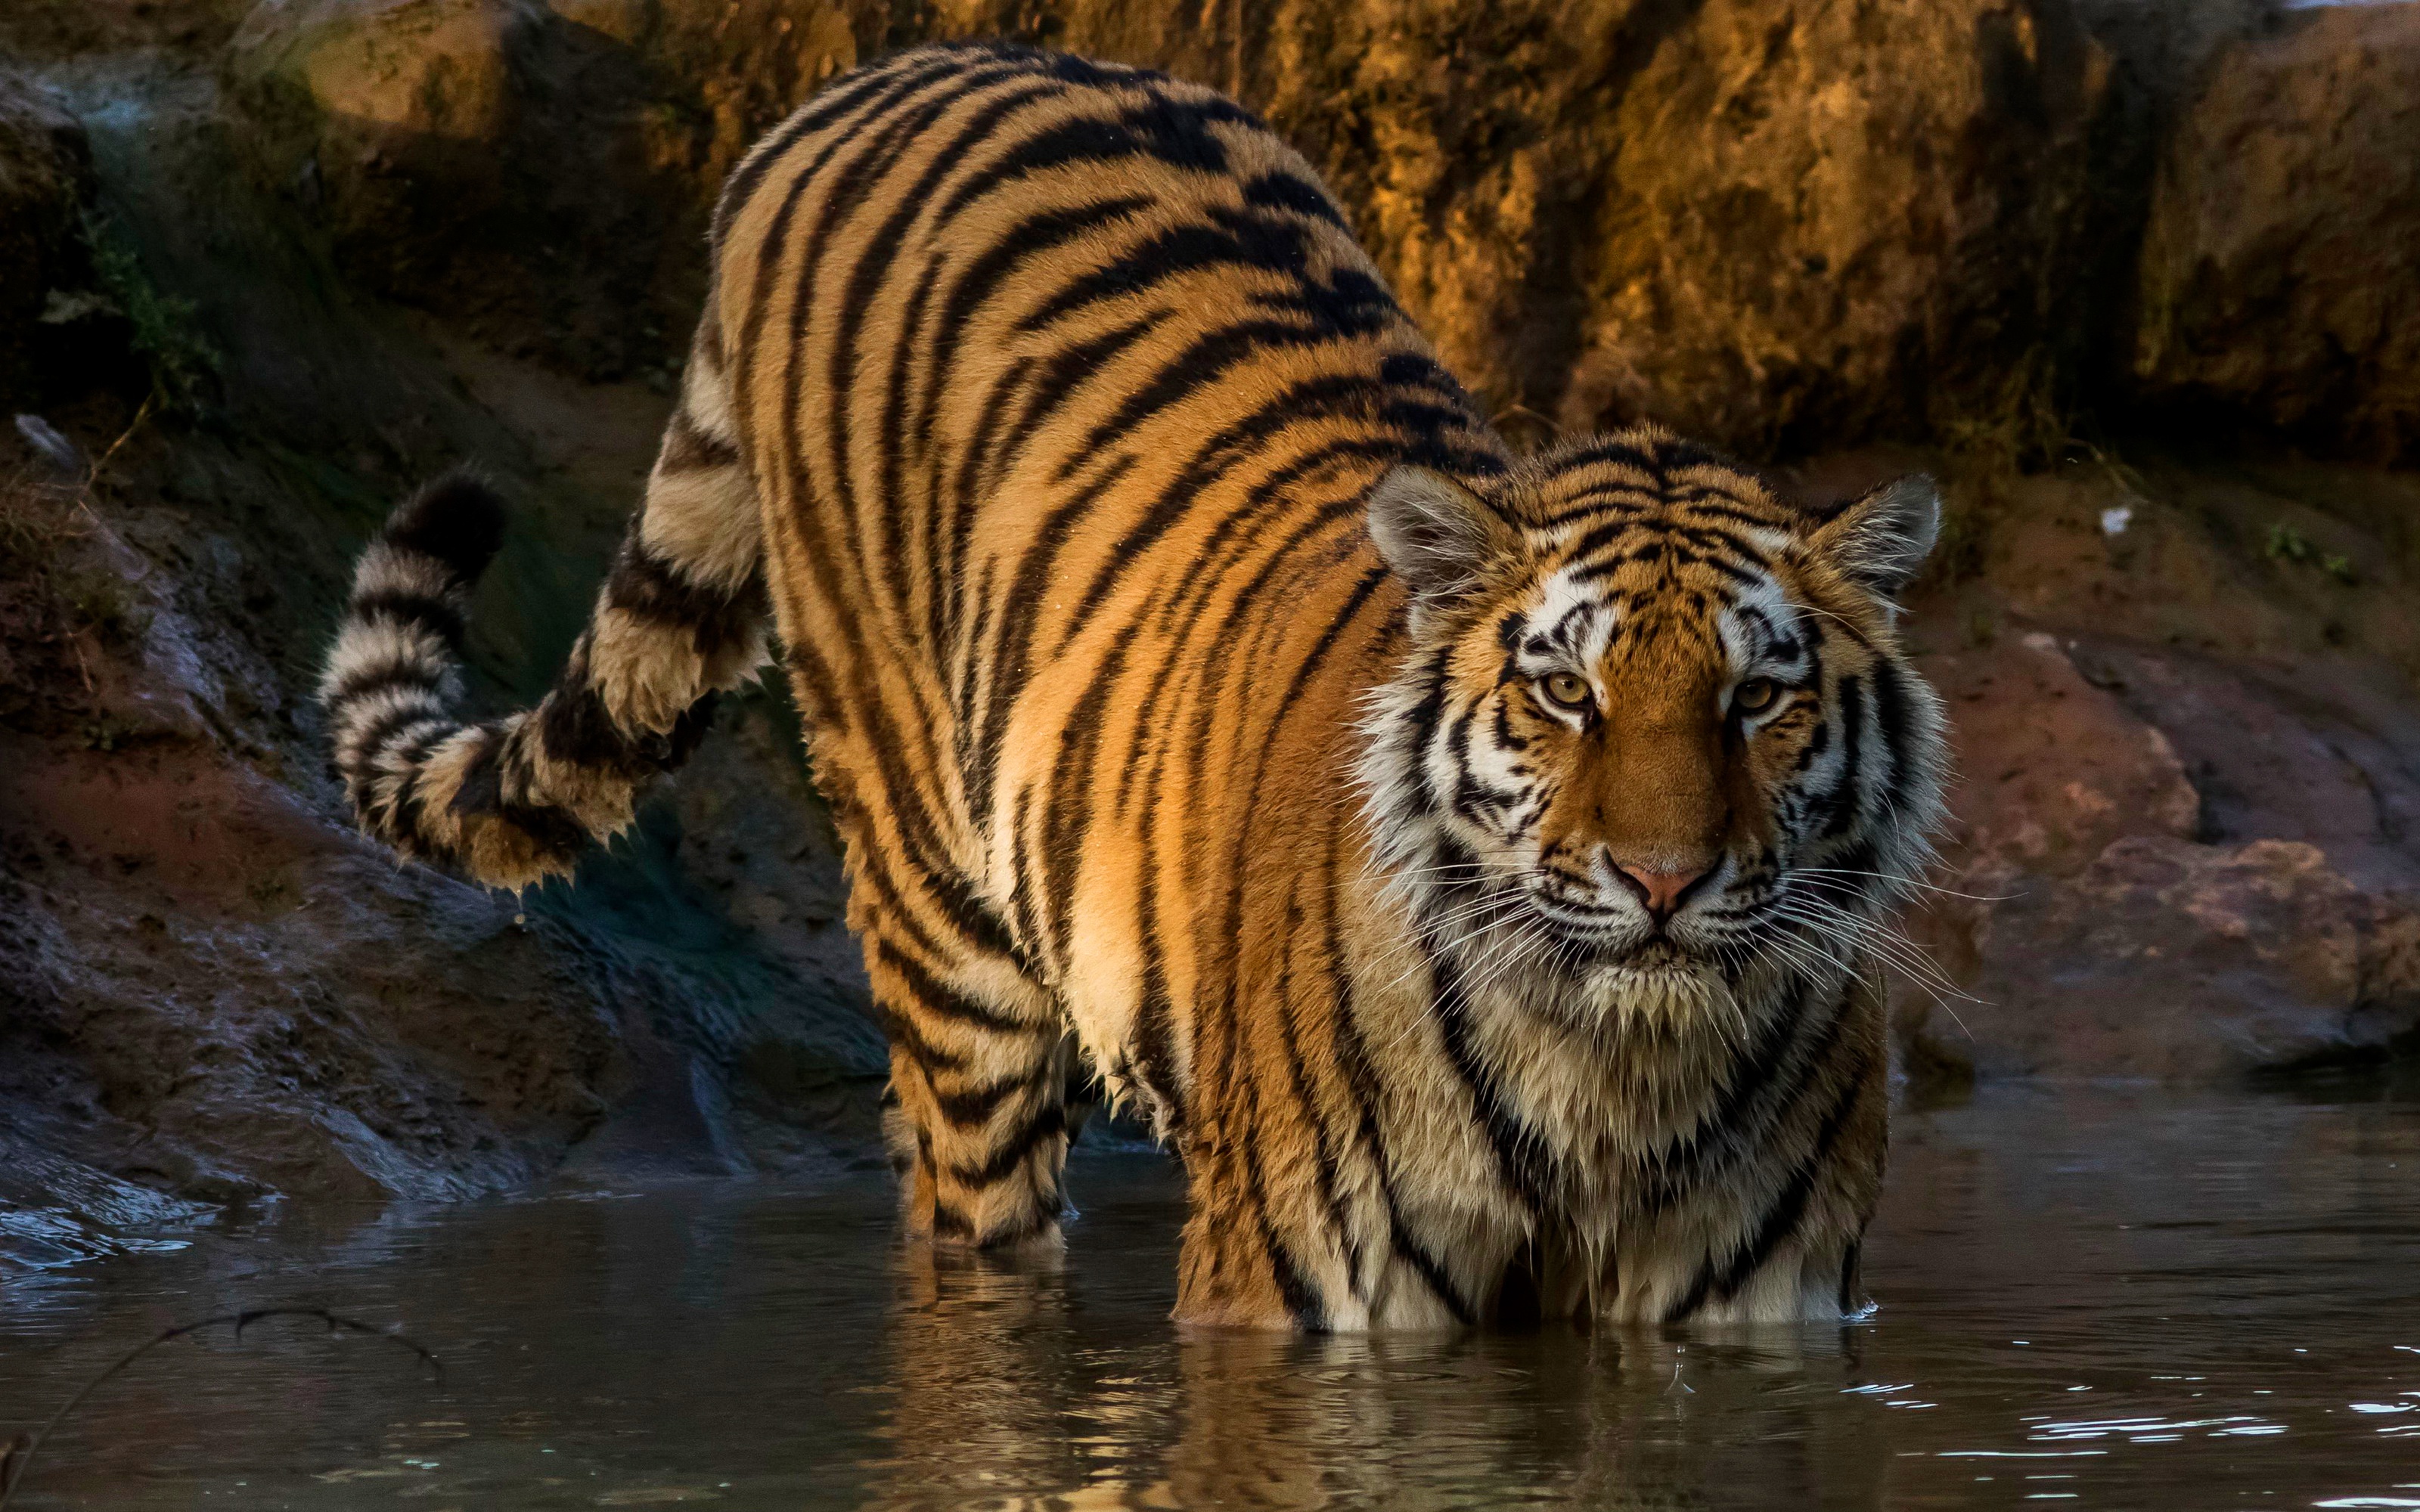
[[287, 257], [2189, 751], [209, 987]]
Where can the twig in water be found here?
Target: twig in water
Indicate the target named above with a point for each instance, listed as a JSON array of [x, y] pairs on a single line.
[[19, 1454]]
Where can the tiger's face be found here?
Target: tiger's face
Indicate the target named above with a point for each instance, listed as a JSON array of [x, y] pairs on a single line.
[[1656, 719]]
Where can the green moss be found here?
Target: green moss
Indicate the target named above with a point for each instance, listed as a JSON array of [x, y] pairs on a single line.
[[183, 361], [2290, 546]]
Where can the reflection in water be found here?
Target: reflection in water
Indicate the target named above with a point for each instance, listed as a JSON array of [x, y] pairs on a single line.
[[999, 1397], [2097, 1298]]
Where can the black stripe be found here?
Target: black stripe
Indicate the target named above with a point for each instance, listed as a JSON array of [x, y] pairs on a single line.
[[404, 811], [686, 449], [1155, 1042], [901, 1030], [982, 278], [856, 184], [943, 1001], [1302, 1301], [1891, 722], [1324, 1164], [658, 591], [1304, 400], [1722, 1277], [1715, 1141], [1277, 188], [1070, 820], [366, 743], [1522, 1163], [1173, 131], [1246, 242], [1061, 378], [438, 616], [398, 673], [1016, 1148], [973, 1105], [1842, 802], [1354, 1059], [837, 100], [1205, 360], [877, 260], [555, 830], [1010, 662]]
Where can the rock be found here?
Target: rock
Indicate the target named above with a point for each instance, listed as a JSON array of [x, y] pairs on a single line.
[[2187, 963], [1775, 223], [541, 171], [1769, 222], [399, 124], [2181, 844], [45, 173], [2281, 268], [2052, 769], [57, 1212], [224, 994]]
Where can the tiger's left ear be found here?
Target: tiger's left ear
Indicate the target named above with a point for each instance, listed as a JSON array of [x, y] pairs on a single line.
[[1879, 538], [1436, 535]]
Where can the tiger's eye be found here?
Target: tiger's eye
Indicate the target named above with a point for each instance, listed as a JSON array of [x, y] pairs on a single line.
[[1755, 695], [1565, 691]]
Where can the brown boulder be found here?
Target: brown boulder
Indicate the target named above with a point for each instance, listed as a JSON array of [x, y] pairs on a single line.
[[2186, 962], [2052, 770], [2183, 836], [213, 989], [2281, 269], [1764, 221]]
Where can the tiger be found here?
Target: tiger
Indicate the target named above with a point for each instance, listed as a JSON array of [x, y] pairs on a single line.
[[1477, 866]]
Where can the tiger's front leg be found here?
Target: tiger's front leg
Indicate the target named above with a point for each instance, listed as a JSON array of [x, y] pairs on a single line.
[[978, 1117]]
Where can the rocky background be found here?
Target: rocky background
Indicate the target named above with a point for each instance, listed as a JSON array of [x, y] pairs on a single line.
[[2140, 278]]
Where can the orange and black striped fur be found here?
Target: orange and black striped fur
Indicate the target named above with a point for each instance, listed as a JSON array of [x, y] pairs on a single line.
[[1475, 867]]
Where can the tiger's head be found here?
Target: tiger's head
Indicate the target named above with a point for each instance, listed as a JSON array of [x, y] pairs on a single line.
[[1656, 720]]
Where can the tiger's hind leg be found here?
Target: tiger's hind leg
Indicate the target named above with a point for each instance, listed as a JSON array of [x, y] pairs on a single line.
[[980, 1063]]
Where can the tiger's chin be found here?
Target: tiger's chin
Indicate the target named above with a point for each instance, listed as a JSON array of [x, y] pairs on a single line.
[[1658, 983]]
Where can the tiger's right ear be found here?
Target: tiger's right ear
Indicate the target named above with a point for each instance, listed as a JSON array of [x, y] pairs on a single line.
[[1437, 536]]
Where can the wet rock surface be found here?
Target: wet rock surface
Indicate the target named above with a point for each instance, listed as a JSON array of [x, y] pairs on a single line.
[[2180, 961], [210, 988]]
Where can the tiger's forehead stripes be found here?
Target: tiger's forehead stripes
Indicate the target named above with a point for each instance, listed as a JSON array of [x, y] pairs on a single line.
[[1566, 622], [1766, 630], [1655, 572]]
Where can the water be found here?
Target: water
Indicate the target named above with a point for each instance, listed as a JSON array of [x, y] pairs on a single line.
[[2100, 1298]]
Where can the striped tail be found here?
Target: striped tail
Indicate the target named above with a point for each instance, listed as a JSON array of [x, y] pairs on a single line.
[[680, 619]]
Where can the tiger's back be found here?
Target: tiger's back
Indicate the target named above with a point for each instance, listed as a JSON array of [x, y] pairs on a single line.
[[1065, 384], [1049, 408]]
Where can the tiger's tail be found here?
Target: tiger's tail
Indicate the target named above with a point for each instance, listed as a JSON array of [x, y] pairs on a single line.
[[681, 618]]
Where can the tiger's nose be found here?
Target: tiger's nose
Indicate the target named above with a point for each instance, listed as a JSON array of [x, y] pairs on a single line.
[[1660, 893]]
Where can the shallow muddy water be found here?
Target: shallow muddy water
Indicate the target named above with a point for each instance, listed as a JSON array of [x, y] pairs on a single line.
[[2102, 1297]]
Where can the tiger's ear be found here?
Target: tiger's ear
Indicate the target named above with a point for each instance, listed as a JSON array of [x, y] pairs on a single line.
[[1436, 535], [1879, 538]]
